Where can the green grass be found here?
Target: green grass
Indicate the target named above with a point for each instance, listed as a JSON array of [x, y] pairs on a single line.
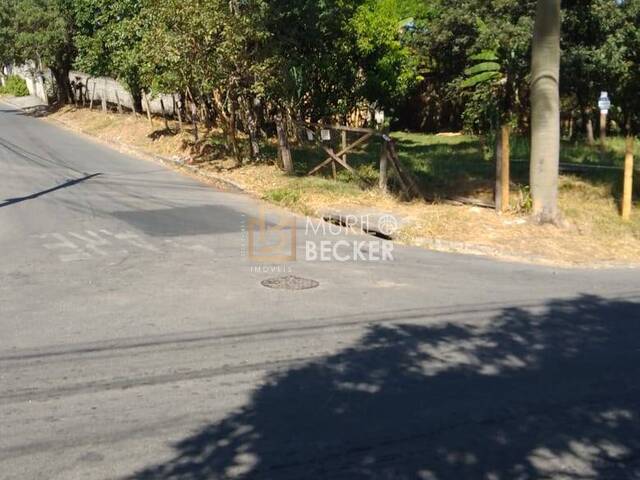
[[460, 166]]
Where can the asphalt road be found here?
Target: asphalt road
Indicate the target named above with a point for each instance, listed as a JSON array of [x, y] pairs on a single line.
[[137, 341]]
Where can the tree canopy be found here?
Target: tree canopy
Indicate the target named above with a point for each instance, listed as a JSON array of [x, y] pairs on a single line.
[[431, 64]]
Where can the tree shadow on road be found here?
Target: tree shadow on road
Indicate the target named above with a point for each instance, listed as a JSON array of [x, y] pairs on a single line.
[[551, 393]]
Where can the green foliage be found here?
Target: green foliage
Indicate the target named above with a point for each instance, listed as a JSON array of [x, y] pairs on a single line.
[[42, 32], [452, 63], [108, 37], [390, 65], [14, 85], [7, 32], [627, 76]]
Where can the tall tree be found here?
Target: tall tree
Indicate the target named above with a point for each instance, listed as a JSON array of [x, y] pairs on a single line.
[[7, 33], [44, 34], [545, 111], [108, 39]]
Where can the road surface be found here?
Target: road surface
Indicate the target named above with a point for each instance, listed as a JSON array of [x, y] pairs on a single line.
[[137, 341]]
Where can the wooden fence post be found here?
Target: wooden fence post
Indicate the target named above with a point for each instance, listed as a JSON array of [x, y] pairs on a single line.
[[384, 168], [148, 107], [503, 152], [194, 119], [93, 94], [628, 179], [176, 109], [104, 95], [344, 144], [603, 129], [164, 115], [283, 145], [118, 102]]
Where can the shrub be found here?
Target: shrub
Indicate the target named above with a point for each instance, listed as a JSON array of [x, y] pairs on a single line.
[[16, 86]]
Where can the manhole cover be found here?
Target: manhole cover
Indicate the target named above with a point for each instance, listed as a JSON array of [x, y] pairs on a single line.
[[290, 283]]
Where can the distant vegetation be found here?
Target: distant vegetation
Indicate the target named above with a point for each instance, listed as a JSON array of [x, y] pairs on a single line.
[[14, 85]]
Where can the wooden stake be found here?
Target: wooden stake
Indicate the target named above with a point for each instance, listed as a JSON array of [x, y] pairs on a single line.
[[406, 178], [603, 129], [93, 95], [118, 102], [384, 168], [103, 98], [194, 120], [328, 160], [164, 115], [628, 179], [176, 109], [148, 106], [283, 145], [344, 144], [502, 169]]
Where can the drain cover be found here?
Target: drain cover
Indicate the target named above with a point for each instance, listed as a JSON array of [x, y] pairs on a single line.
[[290, 283]]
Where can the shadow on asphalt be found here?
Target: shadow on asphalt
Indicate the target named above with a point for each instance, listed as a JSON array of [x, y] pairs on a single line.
[[551, 394], [185, 221], [67, 184]]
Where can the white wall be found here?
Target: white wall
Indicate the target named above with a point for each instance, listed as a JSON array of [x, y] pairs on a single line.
[[100, 87]]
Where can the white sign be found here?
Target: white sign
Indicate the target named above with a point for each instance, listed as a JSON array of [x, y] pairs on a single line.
[[325, 135], [604, 104]]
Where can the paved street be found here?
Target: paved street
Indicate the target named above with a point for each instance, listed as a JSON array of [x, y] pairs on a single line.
[[136, 341]]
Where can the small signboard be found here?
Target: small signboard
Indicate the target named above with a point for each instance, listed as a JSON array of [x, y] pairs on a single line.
[[604, 104], [325, 135]]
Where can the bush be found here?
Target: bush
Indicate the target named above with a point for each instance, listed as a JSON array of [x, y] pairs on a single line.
[[14, 85]]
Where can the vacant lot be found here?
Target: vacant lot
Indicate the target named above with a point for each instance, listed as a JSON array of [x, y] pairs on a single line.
[[446, 167]]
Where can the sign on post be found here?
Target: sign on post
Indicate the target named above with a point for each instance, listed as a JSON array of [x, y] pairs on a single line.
[[604, 104], [325, 135]]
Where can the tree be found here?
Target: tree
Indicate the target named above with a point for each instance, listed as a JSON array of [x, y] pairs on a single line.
[[545, 111], [7, 34], [44, 32], [628, 35], [591, 54], [108, 39], [390, 67]]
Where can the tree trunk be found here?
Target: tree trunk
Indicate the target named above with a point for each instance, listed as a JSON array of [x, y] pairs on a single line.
[[545, 111], [232, 130], [63, 85], [589, 127], [252, 128], [283, 145], [572, 122], [136, 99]]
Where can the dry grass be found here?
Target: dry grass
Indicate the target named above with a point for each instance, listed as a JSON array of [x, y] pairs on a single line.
[[124, 129], [594, 234]]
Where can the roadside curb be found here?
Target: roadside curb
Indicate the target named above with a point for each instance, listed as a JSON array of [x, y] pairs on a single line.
[[178, 164]]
